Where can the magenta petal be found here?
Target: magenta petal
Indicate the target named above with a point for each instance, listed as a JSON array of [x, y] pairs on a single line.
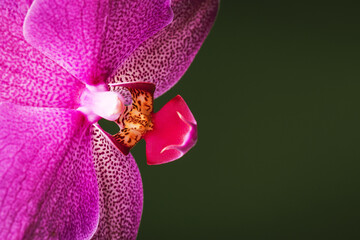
[[48, 187], [165, 57], [91, 38], [26, 76], [174, 133], [121, 194]]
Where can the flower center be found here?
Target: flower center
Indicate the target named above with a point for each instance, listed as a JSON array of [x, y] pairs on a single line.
[[169, 133], [96, 102], [136, 119]]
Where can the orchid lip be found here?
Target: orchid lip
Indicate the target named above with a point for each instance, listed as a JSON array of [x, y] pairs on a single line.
[[136, 119], [189, 140], [169, 133]]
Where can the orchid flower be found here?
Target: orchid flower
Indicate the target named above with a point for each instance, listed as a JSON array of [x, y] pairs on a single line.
[[66, 64]]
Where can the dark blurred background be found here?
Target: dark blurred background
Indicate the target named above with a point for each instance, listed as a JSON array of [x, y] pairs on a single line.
[[275, 91]]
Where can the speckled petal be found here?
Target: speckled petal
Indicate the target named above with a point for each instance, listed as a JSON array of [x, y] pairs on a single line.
[[48, 187], [27, 77], [120, 187], [91, 38], [165, 57]]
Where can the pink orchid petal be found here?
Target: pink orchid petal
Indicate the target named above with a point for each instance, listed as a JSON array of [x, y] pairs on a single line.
[[48, 187], [26, 76], [91, 39], [174, 133], [164, 58], [121, 194]]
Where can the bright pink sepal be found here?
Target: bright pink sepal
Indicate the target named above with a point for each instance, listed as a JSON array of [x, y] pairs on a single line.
[[174, 133]]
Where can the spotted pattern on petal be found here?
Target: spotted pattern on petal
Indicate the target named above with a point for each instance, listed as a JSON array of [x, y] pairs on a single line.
[[48, 187], [130, 23], [120, 187], [90, 39], [165, 57], [26, 76]]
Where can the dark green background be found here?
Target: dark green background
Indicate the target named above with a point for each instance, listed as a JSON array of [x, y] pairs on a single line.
[[275, 91]]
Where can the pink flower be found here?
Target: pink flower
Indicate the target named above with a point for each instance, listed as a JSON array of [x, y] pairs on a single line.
[[65, 64]]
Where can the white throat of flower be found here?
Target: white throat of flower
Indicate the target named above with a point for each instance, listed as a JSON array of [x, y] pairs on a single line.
[[96, 102]]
